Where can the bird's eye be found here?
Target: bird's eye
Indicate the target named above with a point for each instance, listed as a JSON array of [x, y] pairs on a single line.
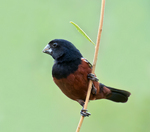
[[54, 44]]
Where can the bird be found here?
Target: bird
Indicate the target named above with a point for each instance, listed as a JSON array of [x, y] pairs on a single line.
[[71, 72]]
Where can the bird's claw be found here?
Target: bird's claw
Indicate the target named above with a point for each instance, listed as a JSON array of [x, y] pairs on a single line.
[[84, 113], [92, 77]]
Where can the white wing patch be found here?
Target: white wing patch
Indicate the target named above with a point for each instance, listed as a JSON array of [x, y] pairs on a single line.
[[85, 60]]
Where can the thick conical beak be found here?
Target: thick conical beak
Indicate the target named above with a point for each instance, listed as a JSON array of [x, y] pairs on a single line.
[[47, 50]]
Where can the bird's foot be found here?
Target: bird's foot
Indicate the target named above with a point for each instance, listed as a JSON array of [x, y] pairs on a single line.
[[84, 113], [92, 77]]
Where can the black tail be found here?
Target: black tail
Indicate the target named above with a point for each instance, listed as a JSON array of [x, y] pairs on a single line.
[[118, 95]]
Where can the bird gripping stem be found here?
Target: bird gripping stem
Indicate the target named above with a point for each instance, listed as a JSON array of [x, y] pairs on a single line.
[[94, 62]]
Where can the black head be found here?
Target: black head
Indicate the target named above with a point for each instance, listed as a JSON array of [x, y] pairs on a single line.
[[62, 50]]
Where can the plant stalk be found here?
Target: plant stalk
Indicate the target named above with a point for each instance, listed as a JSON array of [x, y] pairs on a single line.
[[94, 62]]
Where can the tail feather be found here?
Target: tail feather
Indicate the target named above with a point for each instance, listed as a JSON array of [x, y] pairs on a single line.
[[117, 95]]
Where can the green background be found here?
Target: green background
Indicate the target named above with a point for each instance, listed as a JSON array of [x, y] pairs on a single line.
[[29, 99]]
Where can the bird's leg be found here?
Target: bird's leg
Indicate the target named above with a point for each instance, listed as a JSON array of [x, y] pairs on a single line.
[[81, 102], [83, 111], [94, 90], [92, 77]]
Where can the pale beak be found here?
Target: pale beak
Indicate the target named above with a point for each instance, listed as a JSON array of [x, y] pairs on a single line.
[[47, 49]]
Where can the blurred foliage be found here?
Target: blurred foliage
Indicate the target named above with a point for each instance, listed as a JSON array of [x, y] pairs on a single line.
[[29, 99]]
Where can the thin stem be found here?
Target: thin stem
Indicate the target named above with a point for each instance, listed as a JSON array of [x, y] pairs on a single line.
[[94, 62]]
